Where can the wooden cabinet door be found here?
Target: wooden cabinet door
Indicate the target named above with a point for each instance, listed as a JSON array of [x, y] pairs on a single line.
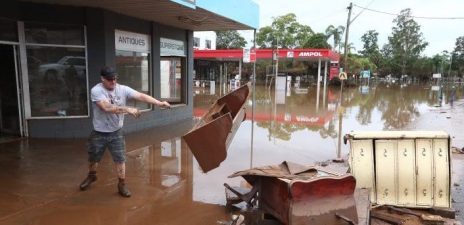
[[441, 173], [424, 157], [385, 159], [406, 173], [362, 164]]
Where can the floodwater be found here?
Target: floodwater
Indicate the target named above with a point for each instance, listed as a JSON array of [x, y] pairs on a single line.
[[40, 177]]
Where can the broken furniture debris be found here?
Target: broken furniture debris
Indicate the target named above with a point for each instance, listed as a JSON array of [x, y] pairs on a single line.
[[211, 136], [296, 194]]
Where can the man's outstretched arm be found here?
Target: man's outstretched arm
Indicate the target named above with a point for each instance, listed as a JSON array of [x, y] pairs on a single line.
[[111, 108], [148, 99]]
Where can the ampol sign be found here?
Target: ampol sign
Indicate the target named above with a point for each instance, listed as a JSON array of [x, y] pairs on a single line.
[[310, 54]]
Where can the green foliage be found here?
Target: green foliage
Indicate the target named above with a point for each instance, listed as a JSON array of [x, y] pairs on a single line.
[[371, 48], [230, 39], [284, 32], [336, 33], [407, 42], [318, 40], [458, 56]]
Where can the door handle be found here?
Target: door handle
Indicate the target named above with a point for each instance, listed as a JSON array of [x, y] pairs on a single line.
[[405, 152], [424, 192], [423, 151], [362, 152], [385, 192], [440, 193], [440, 153], [406, 192], [385, 153]]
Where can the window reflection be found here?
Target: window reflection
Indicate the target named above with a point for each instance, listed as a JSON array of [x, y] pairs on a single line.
[[171, 162], [57, 81], [172, 73], [60, 34], [133, 71]]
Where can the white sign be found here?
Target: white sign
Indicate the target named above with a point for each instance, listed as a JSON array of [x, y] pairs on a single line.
[[290, 54], [170, 47], [246, 55], [129, 41], [436, 75]]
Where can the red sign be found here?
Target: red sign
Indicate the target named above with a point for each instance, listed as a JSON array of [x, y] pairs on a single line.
[[253, 55]]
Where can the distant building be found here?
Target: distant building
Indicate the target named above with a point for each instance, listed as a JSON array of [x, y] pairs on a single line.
[[204, 40]]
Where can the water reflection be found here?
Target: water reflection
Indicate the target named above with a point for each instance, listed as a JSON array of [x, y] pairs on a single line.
[[299, 124]]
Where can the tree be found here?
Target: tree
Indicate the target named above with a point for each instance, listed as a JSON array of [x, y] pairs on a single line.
[[370, 47], [337, 33], [458, 56], [284, 32], [318, 40], [406, 41], [230, 39]]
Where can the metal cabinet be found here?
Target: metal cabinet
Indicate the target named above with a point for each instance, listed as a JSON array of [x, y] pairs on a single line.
[[362, 158], [385, 158], [441, 173], [406, 173], [404, 168], [424, 173]]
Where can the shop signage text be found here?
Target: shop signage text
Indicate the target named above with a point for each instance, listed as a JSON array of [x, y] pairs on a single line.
[[170, 47], [129, 41], [310, 54]]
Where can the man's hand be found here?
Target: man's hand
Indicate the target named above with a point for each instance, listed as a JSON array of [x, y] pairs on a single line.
[[165, 104], [133, 111]]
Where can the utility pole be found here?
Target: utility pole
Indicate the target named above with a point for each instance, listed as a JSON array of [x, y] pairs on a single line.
[[345, 66]]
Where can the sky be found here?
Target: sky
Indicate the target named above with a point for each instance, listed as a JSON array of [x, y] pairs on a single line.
[[319, 14]]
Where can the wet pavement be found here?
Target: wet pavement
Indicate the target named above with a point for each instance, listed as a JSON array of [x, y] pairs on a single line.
[[40, 177]]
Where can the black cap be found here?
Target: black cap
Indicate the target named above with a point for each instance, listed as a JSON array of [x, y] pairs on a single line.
[[108, 72]]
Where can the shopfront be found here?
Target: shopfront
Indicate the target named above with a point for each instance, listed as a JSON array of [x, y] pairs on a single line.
[[50, 57]]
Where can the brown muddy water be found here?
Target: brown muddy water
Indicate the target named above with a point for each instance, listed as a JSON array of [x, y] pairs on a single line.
[[40, 177]]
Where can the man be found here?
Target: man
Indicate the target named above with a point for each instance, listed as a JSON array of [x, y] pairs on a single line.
[[109, 106]]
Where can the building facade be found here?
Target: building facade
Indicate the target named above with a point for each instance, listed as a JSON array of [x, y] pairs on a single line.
[[52, 51]]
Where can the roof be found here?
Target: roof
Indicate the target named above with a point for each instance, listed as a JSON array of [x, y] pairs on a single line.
[[307, 54], [196, 15]]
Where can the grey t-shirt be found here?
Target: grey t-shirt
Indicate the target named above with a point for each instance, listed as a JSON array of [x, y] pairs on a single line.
[[109, 122]]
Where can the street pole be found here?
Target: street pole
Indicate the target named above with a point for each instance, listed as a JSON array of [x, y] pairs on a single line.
[[340, 123], [345, 54], [254, 101]]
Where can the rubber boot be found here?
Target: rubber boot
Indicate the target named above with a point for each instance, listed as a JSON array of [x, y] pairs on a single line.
[[92, 177], [122, 189]]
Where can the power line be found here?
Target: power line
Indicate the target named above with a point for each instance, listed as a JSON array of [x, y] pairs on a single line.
[[417, 17]]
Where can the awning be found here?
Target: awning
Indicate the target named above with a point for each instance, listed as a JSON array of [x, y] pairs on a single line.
[[305, 54], [196, 15]]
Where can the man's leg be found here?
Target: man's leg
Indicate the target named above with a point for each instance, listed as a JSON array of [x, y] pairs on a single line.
[[117, 147], [122, 188], [96, 147], [91, 177]]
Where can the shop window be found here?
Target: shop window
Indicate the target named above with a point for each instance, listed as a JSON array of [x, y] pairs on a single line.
[[134, 71], [172, 76], [8, 30], [57, 81], [58, 34], [208, 44], [57, 71], [196, 42]]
